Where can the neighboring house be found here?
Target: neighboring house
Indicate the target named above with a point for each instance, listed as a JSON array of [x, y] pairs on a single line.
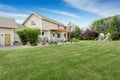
[[7, 31], [50, 29]]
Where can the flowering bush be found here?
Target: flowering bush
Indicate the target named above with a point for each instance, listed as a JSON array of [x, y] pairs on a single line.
[[89, 35]]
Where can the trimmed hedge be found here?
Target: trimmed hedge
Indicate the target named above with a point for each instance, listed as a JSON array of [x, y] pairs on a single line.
[[32, 35], [29, 35], [23, 36]]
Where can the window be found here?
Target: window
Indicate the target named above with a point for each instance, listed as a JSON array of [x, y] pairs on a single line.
[[33, 23], [42, 33], [58, 35], [53, 34], [64, 34], [64, 28]]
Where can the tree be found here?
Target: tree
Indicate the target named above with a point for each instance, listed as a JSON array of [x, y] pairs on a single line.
[[89, 35], [108, 25], [71, 26], [114, 28], [77, 32]]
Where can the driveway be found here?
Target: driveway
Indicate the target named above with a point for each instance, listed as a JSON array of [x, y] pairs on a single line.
[[10, 47]]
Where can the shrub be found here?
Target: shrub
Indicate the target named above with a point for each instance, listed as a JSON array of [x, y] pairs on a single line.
[[89, 35], [53, 43], [115, 36], [34, 44], [75, 40], [50, 43], [29, 35], [32, 35], [43, 42], [16, 43], [22, 35]]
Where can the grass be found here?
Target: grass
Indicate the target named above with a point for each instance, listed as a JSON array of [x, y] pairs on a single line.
[[85, 60]]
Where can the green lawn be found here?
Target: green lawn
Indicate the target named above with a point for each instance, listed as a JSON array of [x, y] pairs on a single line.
[[85, 60]]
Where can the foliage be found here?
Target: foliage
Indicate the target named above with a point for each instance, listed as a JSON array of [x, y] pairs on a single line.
[[108, 25], [32, 35], [89, 35], [71, 26], [53, 43], [75, 40], [76, 33], [23, 36], [43, 42], [16, 43], [28, 35]]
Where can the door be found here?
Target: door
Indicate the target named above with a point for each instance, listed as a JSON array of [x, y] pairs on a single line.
[[7, 39]]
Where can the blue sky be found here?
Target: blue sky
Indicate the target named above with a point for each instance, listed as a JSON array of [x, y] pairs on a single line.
[[81, 12]]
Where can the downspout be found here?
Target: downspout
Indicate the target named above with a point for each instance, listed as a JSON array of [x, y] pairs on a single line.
[[41, 27]]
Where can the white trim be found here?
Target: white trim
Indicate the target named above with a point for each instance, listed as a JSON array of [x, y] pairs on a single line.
[[44, 18], [3, 40]]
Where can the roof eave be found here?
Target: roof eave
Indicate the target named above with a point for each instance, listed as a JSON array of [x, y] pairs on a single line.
[[45, 18]]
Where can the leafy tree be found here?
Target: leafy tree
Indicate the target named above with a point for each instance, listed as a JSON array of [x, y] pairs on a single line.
[[77, 32], [108, 25], [71, 26], [114, 28], [89, 35]]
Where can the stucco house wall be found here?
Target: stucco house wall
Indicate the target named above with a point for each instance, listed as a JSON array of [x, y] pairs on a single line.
[[7, 26], [36, 20], [16, 37], [4, 31], [45, 25]]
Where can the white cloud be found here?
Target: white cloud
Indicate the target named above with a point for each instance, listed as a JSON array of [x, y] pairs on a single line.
[[18, 17], [62, 13], [8, 7], [108, 8]]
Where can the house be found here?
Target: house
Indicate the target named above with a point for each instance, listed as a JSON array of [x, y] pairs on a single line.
[[7, 31], [51, 30]]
